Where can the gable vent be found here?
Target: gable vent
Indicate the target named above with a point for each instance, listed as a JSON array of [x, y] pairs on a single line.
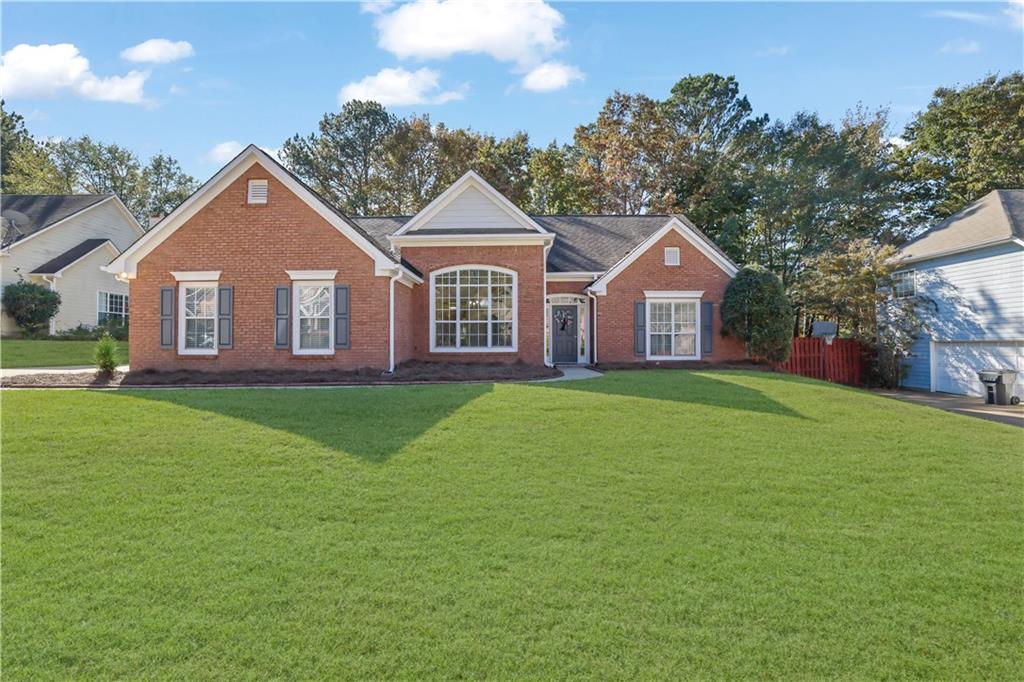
[[257, 191]]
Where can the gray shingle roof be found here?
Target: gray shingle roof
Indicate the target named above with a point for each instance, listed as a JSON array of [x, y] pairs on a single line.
[[55, 265], [997, 216], [583, 243], [26, 214]]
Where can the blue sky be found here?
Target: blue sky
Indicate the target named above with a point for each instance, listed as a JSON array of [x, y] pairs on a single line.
[[247, 72]]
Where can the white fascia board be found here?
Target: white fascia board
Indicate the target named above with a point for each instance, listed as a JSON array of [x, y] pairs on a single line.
[[328, 275], [573, 276], [962, 249], [600, 287], [127, 262], [475, 239], [470, 179]]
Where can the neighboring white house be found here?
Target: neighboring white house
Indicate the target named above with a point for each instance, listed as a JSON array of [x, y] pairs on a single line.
[[971, 265], [62, 241]]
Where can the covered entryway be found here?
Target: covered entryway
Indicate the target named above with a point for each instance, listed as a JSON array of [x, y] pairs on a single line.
[[567, 330], [955, 364]]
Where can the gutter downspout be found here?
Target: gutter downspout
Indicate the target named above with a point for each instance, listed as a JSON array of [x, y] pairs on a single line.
[[391, 320], [593, 332], [52, 280]]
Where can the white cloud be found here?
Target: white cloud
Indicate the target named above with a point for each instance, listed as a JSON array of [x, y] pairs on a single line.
[[775, 51], [551, 76], [970, 17], [1015, 11], [898, 142], [375, 6], [223, 152], [519, 32], [53, 70], [398, 87], [177, 90], [158, 51], [960, 46]]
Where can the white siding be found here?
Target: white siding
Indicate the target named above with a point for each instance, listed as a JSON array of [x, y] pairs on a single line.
[[471, 210], [78, 289], [104, 221], [978, 296]]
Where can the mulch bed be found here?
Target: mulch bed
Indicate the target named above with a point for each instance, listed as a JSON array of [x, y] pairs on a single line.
[[407, 373]]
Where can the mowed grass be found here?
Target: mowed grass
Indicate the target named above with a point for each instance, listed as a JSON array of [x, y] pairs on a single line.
[[19, 353], [656, 524]]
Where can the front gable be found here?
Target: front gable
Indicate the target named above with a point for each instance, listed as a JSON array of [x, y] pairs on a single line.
[[470, 205], [253, 160]]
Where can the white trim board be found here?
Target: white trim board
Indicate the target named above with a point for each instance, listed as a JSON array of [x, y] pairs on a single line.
[[600, 287], [125, 265], [572, 276], [470, 179], [472, 239]]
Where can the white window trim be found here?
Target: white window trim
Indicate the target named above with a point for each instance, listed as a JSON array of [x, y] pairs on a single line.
[[678, 256], [329, 283], [99, 312], [434, 348], [659, 297], [201, 276], [321, 275], [196, 284]]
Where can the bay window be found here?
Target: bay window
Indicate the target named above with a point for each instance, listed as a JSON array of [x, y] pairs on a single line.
[[672, 329], [473, 309]]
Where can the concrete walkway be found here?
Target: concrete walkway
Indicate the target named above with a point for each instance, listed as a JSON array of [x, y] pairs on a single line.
[[962, 404], [74, 369], [572, 373]]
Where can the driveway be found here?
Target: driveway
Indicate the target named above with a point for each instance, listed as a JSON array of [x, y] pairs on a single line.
[[962, 404]]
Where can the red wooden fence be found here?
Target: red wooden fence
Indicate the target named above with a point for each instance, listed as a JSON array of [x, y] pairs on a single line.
[[840, 363]]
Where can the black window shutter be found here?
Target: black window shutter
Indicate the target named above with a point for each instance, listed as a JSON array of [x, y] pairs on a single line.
[[707, 319], [167, 317], [282, 302], [640, 328], [341, 316], [225, 314]]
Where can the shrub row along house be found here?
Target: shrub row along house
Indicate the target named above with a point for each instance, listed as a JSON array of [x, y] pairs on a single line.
[[256, 271], [62, 242]]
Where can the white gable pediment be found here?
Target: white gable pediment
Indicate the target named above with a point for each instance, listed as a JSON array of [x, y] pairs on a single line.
[[473, 206]]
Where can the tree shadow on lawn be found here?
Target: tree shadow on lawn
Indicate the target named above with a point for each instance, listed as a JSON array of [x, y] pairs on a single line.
[[684, 386], [369, 423]]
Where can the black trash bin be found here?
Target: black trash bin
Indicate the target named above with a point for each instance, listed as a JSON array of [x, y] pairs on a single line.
[[999, 386]]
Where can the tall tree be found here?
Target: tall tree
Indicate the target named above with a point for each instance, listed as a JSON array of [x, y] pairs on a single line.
[[713, 129], [554, 185], [166, 185], [626, 155], [968, 142], [342, 162], [25, 167], [101, 168]]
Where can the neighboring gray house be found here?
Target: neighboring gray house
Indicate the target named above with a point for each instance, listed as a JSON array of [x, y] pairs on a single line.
[[62, 241], [972, 266]]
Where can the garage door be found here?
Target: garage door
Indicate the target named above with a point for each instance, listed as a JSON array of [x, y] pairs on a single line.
[[957, 364]]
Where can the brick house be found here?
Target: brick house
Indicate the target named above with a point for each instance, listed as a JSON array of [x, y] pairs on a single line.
[[256, 271]]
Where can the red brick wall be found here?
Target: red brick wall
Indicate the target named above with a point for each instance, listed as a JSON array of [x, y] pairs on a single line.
[[526, 261], [404, 319], [649, 272], [567, 287], [252, 246]]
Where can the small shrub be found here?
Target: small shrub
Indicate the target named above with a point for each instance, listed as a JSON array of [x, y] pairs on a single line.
[[106, 353], [31, 305], [82, 332], [755, 309]]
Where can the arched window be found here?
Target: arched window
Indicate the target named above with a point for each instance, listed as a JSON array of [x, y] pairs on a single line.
[[473, 309]]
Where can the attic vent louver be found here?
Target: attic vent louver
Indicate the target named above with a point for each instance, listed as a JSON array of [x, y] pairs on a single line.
[[257, 191]]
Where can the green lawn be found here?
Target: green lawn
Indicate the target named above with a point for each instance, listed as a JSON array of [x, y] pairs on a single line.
[[51, 353], [656, 524]]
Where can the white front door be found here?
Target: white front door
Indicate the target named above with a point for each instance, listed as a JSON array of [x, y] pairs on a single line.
[[956, 364]]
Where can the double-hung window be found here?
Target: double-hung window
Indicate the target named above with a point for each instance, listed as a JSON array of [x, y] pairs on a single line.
[[314, 313], [672, 329], [903, 285], [473, 309], [111, 307], [197, 331]]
